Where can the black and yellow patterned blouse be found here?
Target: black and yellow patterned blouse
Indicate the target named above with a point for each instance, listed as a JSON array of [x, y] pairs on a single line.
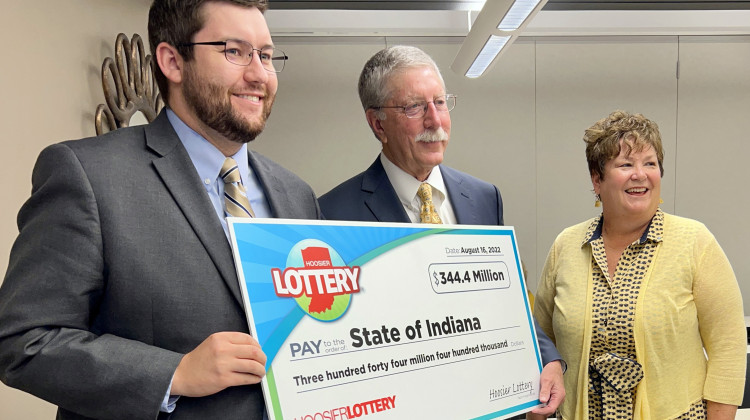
[[614, 370]]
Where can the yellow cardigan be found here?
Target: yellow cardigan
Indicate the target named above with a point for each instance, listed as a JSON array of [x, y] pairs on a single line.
[[689, 300]]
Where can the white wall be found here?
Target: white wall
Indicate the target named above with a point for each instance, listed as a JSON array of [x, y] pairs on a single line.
[[520, 126], [712, 178]]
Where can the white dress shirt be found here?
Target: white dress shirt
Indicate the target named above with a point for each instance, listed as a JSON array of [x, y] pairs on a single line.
[[406, 187]]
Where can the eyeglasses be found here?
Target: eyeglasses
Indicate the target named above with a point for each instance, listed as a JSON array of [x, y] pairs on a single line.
[[241, 53], [417, 109]]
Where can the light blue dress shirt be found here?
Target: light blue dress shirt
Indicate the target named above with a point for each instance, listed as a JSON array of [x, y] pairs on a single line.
[[208, 161]]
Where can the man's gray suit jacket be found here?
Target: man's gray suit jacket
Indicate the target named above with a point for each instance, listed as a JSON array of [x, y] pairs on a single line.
[[120, 267], [370, 197]]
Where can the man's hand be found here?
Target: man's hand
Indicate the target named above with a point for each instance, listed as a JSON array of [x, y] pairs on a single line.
[[222, 360], [552, 390]]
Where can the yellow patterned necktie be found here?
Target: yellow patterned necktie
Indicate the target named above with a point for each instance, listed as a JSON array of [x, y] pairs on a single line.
[[235, 196], [427, 213]]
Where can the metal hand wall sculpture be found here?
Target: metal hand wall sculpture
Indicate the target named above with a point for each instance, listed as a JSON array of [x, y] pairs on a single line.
[[129, 86]]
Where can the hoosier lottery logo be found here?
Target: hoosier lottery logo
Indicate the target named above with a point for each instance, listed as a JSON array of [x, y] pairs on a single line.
[[317, 278]]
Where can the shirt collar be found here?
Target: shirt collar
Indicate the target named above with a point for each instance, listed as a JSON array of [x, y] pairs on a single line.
[[406, 186], [206, 158], [654, 232]]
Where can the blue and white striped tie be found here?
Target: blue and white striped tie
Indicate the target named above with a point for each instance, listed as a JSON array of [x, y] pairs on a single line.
[[235, 196]]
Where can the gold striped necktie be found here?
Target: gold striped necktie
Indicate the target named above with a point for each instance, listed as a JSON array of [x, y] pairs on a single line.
[[427, 213], [235, 196]]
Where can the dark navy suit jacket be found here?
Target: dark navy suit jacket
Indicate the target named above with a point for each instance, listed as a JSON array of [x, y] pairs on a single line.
[[370, 197]]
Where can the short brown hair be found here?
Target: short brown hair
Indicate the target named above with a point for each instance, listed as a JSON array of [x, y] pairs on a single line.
[[603, 139], [175, 22]]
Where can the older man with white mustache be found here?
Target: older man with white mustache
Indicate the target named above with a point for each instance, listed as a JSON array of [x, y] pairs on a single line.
[[406, 105]]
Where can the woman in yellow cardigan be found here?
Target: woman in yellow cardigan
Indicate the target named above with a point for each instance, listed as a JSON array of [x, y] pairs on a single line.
[[634, 296]]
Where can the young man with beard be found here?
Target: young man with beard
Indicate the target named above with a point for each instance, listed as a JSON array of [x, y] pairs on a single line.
[[407, 108], [121, 299]]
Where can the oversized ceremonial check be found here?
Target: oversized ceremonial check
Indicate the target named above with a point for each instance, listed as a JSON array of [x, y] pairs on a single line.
[[388, 321]]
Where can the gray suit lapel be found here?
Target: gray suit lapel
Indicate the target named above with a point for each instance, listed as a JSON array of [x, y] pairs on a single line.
[[180, 177], [278, 199], [383, 201], [460, 196]]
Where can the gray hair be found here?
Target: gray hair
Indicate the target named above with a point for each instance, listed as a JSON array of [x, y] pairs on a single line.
[[374, 80]]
